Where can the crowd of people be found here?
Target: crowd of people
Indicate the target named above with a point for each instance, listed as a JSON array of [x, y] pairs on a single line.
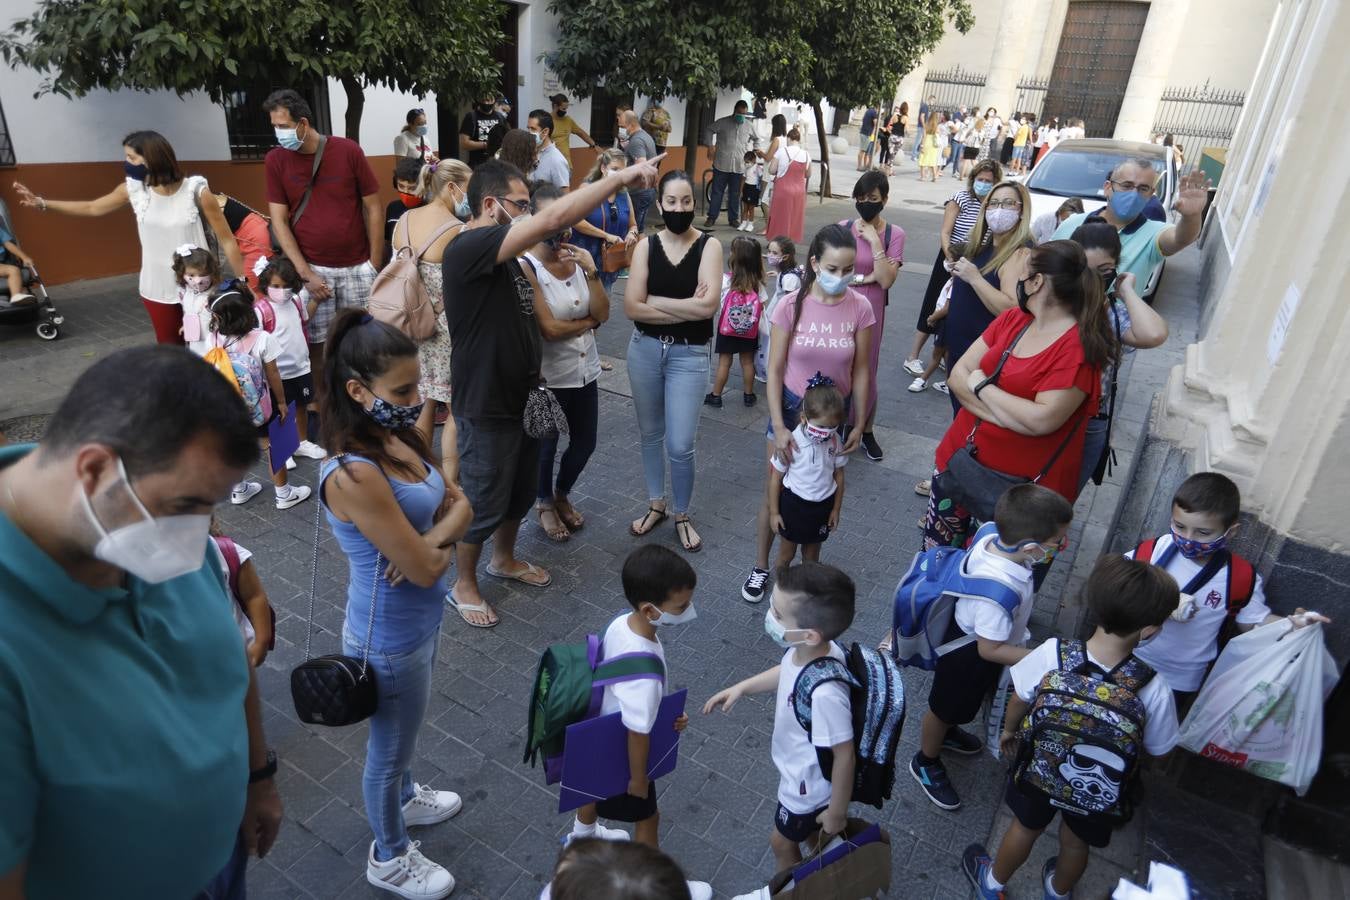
[[107, 519]]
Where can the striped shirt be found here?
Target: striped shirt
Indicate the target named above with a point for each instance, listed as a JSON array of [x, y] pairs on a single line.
[[968, 213]]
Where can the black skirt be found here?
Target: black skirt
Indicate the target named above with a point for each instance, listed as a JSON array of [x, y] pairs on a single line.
[[930, 295], [727, 344]]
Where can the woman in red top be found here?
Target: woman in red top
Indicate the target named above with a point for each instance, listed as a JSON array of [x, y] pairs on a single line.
[[1049, 386]]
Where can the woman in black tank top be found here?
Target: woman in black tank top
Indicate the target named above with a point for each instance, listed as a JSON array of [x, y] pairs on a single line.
[[672, 297]]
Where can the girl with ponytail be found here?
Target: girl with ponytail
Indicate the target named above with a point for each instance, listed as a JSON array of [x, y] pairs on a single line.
[[395, 516], [824, 328], [1029, 420]]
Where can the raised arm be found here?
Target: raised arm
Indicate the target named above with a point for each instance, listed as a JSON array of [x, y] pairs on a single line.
[[113, 200], [1148, 328], [1190, 204], [571, 208]]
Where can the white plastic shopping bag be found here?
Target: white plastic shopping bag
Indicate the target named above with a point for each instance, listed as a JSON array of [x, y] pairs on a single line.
[[1260, 710]]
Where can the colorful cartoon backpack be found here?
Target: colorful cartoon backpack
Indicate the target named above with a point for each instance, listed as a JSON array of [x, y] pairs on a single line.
[[242, 369], [1083, 737]]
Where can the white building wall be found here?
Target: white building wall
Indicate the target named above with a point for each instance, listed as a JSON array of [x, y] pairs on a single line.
[[1221, 43], [384, 115]]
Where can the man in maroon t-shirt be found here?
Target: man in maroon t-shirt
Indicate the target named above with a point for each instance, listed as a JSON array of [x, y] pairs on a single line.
[[340, 232]]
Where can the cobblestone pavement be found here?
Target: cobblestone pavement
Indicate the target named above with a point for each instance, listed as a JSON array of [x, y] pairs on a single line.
[[717, 807]]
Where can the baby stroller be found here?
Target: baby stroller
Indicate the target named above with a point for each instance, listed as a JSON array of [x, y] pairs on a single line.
[[40, 310]]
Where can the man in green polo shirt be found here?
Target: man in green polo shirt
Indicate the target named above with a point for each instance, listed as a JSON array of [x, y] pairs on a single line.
[[1143, 241], [130, 728]]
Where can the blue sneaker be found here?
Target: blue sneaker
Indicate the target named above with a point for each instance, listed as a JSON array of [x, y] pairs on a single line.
[[975, 862], [935, 783], [1048, 873], [962, 742]]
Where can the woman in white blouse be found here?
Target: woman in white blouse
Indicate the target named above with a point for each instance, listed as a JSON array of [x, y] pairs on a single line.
[[411, 141], [569, 304]]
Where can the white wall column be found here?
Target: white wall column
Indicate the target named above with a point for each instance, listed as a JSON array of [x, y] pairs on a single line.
[[1054, 27], [1010, 49], [1152, 62], [911, 89]]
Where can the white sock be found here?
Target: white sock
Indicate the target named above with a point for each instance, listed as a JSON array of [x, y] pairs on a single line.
[[990, 883], [283, 491], [581, 829]]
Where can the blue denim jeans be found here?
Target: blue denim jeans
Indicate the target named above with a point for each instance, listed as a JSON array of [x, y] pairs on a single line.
[[728, 183], [230, 884], [957, 150], [402, 688], [1094, 440], [668, 383], [642, 202]]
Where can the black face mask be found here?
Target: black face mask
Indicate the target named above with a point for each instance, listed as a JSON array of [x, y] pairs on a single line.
[[562, 113], [677, 221], [1108, 279], [1022, 297], [485, 108], [869, 209]]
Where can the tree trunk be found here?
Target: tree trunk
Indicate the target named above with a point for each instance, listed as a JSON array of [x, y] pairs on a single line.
[[356, 104], [826, 189], [693, 126]]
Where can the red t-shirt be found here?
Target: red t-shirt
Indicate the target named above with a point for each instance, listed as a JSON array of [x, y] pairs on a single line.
[[332, 232], [1058, 367]]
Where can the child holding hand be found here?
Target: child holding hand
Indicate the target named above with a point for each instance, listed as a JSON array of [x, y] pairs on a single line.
[[806, 493]]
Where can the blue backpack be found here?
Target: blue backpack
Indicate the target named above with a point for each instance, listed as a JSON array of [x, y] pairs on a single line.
[[925, 602], [877, 702]]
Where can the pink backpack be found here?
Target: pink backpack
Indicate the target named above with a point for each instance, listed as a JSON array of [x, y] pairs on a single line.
[[741, 311], [267, 316]]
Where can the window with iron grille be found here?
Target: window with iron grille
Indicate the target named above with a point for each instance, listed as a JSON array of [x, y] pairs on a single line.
[[249, 128], [6, 146]]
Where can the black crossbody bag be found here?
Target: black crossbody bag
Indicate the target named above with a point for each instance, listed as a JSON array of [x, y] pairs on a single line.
[[334, 690], [975, 486]]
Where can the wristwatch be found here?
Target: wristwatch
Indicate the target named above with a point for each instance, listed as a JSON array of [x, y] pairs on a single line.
[[267, 771]]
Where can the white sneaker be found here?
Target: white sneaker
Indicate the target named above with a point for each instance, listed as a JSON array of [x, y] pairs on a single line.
[[699, 890], [290, 463], [917, 385], [601, 832], [410, 875], [297, 495], [941, 387], [761, 894], [429, 807], [251, 490], [310, 450], [914, 366]]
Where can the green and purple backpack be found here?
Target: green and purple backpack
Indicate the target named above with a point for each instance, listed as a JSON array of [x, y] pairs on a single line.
[[569, 688]]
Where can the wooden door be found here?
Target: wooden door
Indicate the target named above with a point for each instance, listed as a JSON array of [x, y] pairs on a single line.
[[1093, 63]]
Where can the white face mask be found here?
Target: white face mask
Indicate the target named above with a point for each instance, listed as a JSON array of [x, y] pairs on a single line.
[[153, 550], [689, 615]]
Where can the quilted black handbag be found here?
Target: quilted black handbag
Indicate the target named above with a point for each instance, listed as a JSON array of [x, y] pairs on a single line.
[[334, 690]]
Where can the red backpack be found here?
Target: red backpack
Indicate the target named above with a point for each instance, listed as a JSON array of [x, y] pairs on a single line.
[[1241, 579], [233, 564]]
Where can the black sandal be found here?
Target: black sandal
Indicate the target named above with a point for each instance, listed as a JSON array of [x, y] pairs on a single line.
[[683, 527], [661, 516]]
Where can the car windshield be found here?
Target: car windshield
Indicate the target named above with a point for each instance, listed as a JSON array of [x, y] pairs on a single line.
[[1078, 173]]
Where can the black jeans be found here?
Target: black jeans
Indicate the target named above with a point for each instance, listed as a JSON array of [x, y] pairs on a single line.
[[582, 408]]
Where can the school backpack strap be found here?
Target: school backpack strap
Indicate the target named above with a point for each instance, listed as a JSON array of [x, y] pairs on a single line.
[[814, 674], [1241, 584], [616, 670], [230, 551], [1144, 552]]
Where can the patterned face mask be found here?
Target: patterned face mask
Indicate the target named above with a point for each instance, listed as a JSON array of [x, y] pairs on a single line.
[[1194, 549], [391, 415]]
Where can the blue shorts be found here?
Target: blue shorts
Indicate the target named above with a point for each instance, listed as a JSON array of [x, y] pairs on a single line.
[[796, 827]]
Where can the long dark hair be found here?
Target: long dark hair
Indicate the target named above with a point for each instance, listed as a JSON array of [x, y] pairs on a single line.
[[789, 251], [778, 126], [161, 163], [1078, 287], [747, 265], [232, 314], [361, 348], [834, 237]]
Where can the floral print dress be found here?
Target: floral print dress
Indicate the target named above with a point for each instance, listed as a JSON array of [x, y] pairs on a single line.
[[434, 353]]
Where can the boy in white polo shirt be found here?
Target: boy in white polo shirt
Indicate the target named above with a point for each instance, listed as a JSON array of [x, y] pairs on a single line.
[[812, 604]]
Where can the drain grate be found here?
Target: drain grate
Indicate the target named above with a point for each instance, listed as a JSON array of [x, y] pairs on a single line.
[[24, 429]]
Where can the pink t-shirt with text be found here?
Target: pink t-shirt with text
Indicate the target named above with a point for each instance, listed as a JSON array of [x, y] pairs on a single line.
[[825, 338]]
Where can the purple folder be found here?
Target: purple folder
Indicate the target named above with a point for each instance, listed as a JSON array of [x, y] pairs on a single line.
[[595, 755], [285, 439]]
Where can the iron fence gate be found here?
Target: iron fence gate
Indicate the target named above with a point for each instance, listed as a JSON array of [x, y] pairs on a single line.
[[1199, 117], [1031, 96], [953, 88]]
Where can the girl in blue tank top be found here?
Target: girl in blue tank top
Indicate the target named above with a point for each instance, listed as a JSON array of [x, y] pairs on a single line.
[[396, 517]]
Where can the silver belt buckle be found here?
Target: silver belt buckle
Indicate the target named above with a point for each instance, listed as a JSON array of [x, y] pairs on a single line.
[[667, 339]]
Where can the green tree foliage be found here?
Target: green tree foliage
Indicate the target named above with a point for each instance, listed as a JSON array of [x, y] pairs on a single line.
[[415, 46]]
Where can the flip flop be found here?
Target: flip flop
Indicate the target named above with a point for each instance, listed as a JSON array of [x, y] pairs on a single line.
[[684, 532], [462, 608], [660, 514], [521, 576]]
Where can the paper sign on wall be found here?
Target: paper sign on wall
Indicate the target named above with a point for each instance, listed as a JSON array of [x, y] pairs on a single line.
[[1284, 318]]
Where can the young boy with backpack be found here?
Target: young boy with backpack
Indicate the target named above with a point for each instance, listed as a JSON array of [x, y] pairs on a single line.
[[1221, 594], [659, 585], [1088, 713], [811, 605], [987, 629]]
